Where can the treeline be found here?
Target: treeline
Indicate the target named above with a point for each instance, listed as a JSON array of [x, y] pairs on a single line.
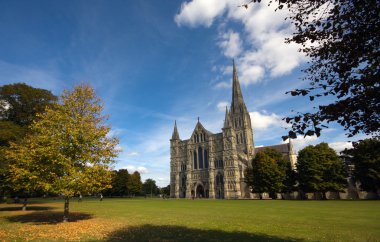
[[319, 170], [130, 185]]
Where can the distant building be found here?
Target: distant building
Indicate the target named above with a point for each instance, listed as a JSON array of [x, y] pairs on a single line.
[[211, 165]]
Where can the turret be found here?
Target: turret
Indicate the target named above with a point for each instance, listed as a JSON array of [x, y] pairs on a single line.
[[175, 135], [227, 120]]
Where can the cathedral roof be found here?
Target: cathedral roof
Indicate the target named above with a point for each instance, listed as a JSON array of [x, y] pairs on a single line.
[[282, 148], [199, 126]]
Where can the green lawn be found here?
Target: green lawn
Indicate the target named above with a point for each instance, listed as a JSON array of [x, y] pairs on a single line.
[[193, 220]]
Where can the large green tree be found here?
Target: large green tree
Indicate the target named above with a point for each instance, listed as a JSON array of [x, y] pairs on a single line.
[[68, 151], [134, 183], [165, 191], [365, 157], [119, 183], [19, 104], [150, 187], [341, 40], [268, 172], [320, 170]]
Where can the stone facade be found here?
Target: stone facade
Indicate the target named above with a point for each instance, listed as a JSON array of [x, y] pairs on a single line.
[[211, 165]]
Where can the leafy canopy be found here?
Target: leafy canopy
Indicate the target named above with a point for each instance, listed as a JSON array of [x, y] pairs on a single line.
[[19, 103], [268, 172], [341, 39], [68, 151], [365, 157], [320, 169]]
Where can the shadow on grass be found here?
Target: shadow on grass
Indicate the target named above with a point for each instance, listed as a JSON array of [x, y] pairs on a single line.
[[47, 217], [28, 208], [166, 233]]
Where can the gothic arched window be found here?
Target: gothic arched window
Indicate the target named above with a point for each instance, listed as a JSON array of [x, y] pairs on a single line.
[[200, 158], [206, 158], [219, 179], [195, 160]]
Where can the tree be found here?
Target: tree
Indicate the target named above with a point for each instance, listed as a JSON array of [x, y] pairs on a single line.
[[320, 170], [19, 104], [365, 156], [150, 187], [165, 191], [268, 172], [68, 151], [119, 182], [341, 39], [134, 183]]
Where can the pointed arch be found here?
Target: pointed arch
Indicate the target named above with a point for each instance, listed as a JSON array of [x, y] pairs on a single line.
[[200, 158], [206, 158], [195, 162]]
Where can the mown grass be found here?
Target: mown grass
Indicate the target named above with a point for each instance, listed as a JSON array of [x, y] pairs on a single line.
[[193, 220]]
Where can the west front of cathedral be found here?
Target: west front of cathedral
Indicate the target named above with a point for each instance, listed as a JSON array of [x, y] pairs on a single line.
[[211, 165]]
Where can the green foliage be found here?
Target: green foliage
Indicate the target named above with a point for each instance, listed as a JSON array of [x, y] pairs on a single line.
[[19, 103], [68, 151], [165, 190], [320, 169], [150, 187], [9, 131], [365, 157], [341, 40], [119, 183], [269, 172], [134, 184]]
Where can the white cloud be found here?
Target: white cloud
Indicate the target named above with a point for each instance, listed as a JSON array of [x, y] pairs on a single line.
[[265, 31], [200, 12], [222, 106], [46, 78], [132, 168], [133, 153], [302, 142], [230, 44], [262, 121], [340, 146], [223, 85]]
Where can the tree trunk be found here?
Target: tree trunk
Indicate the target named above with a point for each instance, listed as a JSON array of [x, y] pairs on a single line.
[[260, 196], [24, 204], [324, 197], [66, 210]]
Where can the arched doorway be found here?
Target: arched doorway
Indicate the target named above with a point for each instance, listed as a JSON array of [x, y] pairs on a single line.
[[200, 191]]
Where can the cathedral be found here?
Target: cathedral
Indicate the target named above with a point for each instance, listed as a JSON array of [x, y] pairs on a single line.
[[211, 165]]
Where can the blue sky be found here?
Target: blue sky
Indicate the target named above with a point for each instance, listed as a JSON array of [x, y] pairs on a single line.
[[153, 62]]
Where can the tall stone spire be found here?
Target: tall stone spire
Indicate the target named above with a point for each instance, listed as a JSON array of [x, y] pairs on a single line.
[[175, 134], [237, 96]]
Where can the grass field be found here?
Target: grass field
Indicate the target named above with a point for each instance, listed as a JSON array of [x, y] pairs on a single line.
[[192, 220]]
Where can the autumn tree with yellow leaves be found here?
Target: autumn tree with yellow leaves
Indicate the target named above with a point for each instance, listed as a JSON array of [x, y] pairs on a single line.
[[68, 151]]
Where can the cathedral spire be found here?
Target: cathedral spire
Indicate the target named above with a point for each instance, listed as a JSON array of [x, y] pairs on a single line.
[[175, 132], [237, 96], [227, 121]]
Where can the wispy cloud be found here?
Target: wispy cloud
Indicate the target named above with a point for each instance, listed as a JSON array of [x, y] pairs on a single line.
[[222, 106], [265, 53], [231, 44], [47, 78]]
